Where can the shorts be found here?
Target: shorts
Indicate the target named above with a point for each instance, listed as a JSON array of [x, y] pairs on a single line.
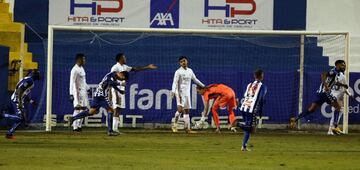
[[226, 100], [117, 99], [16, 109], [183, 101], [83, 100], [99, 102], [325, 98]]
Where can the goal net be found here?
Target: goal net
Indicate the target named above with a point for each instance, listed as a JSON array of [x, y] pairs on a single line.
[[292, 61]]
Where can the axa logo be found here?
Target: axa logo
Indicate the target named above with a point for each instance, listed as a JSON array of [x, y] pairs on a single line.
[[232, 8], [164, 14], [163, 19], [97, 6]]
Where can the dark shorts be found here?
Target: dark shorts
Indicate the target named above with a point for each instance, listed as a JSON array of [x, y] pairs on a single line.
[[325, 98], [98, 102], [16, 109], [249, 118]]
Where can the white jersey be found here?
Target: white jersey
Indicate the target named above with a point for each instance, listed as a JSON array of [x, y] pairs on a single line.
[[338, 91], [78, 86], [182, 81], [120, 68]]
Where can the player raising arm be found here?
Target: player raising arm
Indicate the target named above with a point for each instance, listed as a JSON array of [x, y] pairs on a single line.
[[117, 98]]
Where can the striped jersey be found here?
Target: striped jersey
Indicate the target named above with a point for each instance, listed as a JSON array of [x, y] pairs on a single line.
[[330, 80], [104, 86], [254, 97], [25, 85]]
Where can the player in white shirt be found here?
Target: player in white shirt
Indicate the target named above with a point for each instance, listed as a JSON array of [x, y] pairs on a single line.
[[181, 90], [78, 90], [117, 98], [338, 90]]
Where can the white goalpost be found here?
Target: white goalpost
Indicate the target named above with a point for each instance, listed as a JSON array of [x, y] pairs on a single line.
[[301, 34]]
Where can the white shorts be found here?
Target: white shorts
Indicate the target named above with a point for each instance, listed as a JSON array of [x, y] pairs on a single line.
[[183, 101], [82, 101], [117, 99]]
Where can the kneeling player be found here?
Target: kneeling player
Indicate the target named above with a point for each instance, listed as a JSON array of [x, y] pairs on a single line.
[[324, 95], [18, 99], [224, 96], [101, 99], [252, 103]]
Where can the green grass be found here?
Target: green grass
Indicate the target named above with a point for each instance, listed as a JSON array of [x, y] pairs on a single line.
[[95, 150]]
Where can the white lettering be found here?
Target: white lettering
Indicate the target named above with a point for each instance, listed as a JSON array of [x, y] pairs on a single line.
[[162, 18], [158, 99]]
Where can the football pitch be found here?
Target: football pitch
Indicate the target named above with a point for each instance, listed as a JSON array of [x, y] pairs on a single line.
[[164, 150]]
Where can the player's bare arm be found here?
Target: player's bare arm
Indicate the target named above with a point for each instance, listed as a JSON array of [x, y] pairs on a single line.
[[148, 67]]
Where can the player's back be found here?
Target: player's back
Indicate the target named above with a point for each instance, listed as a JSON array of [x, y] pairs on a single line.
[[253, 97], [330, 80], [219, 88], [25, 84], [103, 87]]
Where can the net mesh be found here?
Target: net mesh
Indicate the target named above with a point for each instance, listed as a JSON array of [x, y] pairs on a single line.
[[214, 58]]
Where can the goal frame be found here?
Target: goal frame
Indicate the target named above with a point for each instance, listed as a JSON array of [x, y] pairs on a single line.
[[302, 34]]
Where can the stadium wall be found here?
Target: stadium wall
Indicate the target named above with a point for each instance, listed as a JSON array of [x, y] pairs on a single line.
[[4, 63], [337, 15]]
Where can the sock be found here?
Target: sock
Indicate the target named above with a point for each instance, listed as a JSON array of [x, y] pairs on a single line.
[[340, 115], [75, 123], [110, 121], [177, 115], [302, 115], [116, 121], [331, 123], [203, 118], [186, 121], [231, 117], [13, 128], [246, 139], [81, 115], [80, 121], [216, 118], [15, 118], [336, 118]]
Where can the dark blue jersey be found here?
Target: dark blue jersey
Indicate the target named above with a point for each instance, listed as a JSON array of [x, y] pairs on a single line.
[[104, 86], [330, 81], [24, 87]]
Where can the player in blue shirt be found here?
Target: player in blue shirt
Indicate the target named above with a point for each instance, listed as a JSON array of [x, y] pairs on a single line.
[[18, 99], [101, 99], [324, 95], [251, 105]]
